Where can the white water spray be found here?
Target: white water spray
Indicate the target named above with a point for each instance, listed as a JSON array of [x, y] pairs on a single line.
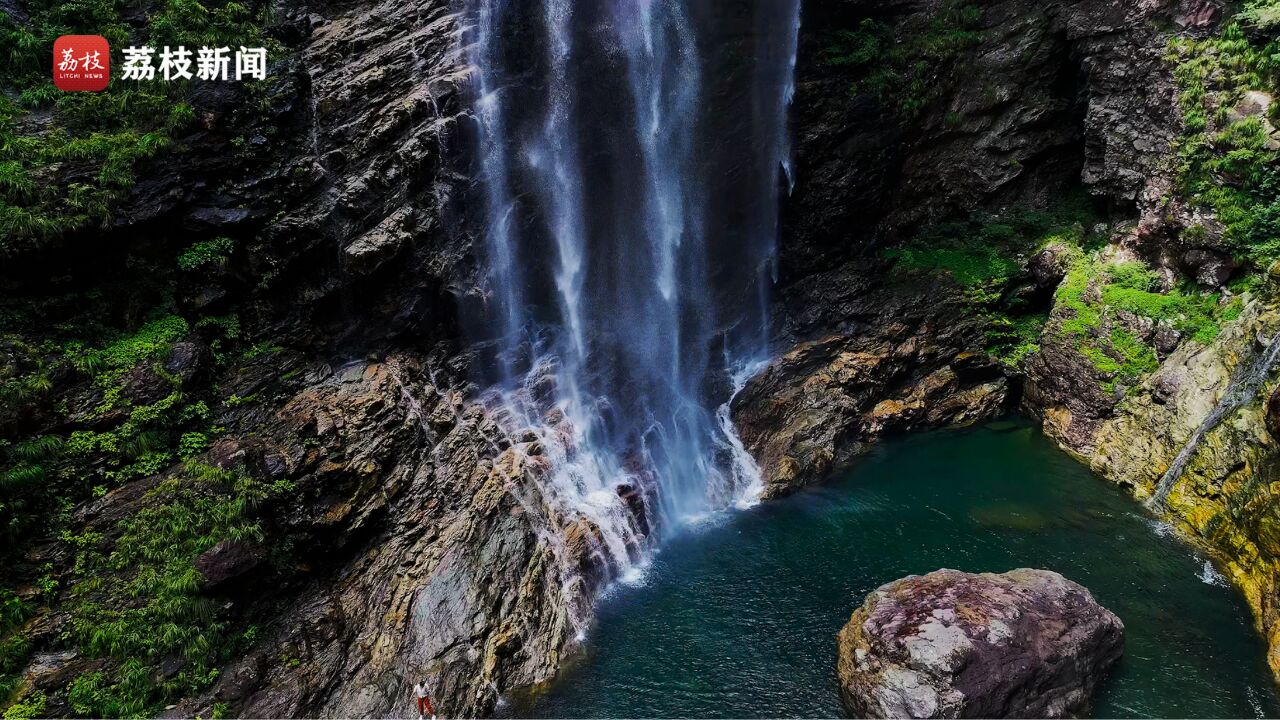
[[619, 298]]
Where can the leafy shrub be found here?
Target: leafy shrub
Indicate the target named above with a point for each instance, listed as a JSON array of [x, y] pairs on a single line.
[[904, 70], [206, 253], [152, 609], [1226, 165]]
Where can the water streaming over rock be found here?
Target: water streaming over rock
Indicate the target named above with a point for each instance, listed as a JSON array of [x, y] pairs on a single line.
[[631, 157], [1240, 391]]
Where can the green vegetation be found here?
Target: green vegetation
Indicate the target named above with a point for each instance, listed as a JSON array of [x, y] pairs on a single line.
[[96, 139], [1262, 14], [903, 69], [981, 254], [976, 267], [985, 256], [206, 253], [14, 647], [117, 436], [127, 437], [139, 602], [31, 706], [1228, 160], [1095, 290], [86, 401]]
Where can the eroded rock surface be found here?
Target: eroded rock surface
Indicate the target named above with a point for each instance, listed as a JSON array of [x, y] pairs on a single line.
[[1027, 643], [424, 549], [1046, 99], [1051, 96], [813, 410], [1226, 496]]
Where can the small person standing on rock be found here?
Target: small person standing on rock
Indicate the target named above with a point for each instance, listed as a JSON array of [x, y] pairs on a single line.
[[424, 701]]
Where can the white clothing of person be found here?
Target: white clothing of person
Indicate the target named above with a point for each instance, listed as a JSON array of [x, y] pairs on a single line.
[[421, 691]]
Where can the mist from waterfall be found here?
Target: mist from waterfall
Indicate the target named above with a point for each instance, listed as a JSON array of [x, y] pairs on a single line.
[[631, 157]]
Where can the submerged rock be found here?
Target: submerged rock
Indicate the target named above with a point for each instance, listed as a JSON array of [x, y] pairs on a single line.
[[1027, 643]]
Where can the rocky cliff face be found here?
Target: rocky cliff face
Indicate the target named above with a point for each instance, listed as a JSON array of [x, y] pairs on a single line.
[[903, 366], [1223, 499], [392, 532], [419, 547], [1018, 106], [430, 553], [1115, 327]]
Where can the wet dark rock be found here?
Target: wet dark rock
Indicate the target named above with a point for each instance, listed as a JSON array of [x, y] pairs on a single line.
[[143, 385], [151, 381], [172, 665], [585, 544], [635, 501], [1027, 643], [243, 680], [52, 667], [1050, 266], [226, 453], [1273, 414], [369, 251], [1210, 267], [227, 561], [186, 359], [1166, 340], [219, 218]]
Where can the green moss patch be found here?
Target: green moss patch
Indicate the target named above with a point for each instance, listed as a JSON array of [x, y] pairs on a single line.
[[1094, 291], [985, 256]]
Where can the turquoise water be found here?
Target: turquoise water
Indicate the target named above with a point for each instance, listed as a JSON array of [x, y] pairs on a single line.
[[737, 617]]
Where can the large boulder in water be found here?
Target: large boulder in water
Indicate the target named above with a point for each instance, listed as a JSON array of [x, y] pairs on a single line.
[[1028, 643]]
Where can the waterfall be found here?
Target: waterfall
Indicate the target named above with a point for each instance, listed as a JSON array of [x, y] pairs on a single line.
[[1241, 390], [630, 161]]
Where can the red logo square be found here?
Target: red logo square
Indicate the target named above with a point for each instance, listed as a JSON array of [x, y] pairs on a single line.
[[81, 63]]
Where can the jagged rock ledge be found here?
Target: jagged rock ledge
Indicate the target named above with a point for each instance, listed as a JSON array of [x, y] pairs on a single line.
[[429, 550]]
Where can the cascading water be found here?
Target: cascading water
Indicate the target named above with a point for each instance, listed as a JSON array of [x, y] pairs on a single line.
[[1240, 391], [631, 154]]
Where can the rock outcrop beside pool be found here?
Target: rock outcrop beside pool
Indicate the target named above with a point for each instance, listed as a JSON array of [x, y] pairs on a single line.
[[1027, 643]]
